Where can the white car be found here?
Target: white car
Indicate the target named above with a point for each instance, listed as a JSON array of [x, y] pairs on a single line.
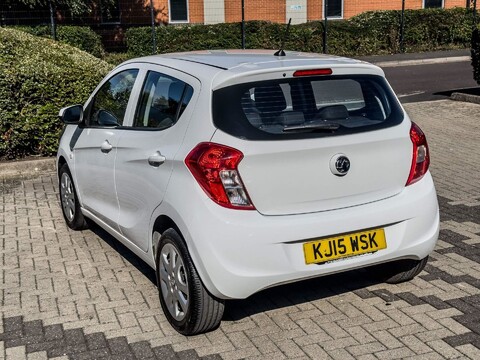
[[233, 171]]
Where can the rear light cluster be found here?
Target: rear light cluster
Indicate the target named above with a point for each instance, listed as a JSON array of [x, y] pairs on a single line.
[[214, 167], [421, 156]]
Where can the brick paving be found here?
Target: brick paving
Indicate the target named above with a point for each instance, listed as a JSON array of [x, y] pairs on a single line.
[[82, 295]]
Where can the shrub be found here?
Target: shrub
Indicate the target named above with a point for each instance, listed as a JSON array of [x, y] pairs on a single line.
[[433, 29], [38, 76], [81, 37], [116, 58], [475, 50], [373, 32]]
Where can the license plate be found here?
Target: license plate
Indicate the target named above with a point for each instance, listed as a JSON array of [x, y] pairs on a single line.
[[324, 250]]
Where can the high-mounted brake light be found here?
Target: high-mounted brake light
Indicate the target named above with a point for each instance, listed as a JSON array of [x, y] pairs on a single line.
[[421, 155], [214, 167], [312, 72]]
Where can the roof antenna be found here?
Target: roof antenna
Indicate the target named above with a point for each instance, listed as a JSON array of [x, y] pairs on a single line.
[[285, 37]]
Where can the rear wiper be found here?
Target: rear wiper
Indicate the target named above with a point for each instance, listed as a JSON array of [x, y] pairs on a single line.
[[313, 127]]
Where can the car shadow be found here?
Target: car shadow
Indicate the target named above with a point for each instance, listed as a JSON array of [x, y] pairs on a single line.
[[274, 298], [301, 292], [125, 252]]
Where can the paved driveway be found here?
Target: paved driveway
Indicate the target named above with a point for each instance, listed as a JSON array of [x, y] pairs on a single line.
[[82, 295]]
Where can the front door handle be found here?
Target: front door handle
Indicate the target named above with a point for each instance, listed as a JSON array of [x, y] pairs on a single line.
[[106, 147], [156, 159]]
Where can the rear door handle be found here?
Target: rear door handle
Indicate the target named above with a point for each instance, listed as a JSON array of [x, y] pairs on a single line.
[[106, 147], [156, 159]]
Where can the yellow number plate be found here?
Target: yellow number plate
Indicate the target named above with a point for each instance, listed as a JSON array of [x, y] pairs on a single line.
[[320, 251]]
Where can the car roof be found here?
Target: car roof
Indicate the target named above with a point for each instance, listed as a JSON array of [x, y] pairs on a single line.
[[223, 65]]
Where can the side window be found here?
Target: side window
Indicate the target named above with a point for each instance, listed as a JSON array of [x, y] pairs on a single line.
[[429, 4], [178, 10], [162, 101], [110, 102]]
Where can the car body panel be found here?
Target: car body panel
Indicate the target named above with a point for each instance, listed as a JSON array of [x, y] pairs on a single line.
[[237, 253], [94, 171], [299, 178], [140, 185]]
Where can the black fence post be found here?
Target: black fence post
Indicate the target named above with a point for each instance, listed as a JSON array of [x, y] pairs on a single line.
[[325, 26], [154, 34], [53, 27], [474, 13], [243, 24], [402, 28]]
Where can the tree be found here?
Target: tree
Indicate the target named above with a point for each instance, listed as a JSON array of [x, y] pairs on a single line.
[[76, 7]]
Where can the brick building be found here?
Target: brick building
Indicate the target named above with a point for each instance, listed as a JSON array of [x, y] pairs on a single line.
[[111, 23], [111, 19], [217, 11], [137, 12]]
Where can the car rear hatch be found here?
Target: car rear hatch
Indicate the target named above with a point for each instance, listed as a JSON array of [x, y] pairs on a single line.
[[315, 143]]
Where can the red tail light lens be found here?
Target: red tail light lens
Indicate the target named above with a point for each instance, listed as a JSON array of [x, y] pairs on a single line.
[[214, 167], [312, 72], [421, 156]]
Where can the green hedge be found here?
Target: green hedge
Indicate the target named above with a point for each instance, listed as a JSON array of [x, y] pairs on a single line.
[[373, 32], [81, 37], [475, 51], [39, 76]]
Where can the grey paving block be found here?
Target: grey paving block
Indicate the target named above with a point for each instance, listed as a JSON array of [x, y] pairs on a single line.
[[165, 352], [142, 350]]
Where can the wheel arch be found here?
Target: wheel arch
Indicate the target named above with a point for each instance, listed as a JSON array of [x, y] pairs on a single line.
[[61, 161], [162, 223], [167, 217]]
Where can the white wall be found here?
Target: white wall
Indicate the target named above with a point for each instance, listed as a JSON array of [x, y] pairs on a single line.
[[214, 11], [297, 10]]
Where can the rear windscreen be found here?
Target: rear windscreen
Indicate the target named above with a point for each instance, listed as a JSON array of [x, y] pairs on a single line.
[[305, 107]]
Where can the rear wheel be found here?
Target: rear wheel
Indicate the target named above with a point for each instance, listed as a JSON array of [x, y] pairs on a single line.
[[188, 306], [400, 271], [69, 200]]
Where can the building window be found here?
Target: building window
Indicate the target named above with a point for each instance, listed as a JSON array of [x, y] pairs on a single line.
[[178, 10], [110, 12], [334, 8], [431, 4]]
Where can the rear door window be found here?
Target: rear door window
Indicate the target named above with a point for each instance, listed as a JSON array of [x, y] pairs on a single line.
[[162, 101], [306, 107]]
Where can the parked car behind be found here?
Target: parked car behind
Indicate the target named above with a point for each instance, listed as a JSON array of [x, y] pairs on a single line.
[[229, 172]]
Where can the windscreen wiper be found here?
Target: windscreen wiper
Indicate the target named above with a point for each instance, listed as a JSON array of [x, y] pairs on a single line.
[[313, 127]]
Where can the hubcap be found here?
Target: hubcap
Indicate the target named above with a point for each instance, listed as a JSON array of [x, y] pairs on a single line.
[[173, 282], [67, 196]]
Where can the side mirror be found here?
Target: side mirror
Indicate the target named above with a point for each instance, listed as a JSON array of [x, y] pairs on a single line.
[[71, 114]]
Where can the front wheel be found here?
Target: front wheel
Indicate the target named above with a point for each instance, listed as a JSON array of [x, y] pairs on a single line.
[[187, 305], [69, 200]]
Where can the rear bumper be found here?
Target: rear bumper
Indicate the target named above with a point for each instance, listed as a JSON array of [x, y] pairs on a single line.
[[238, 253]]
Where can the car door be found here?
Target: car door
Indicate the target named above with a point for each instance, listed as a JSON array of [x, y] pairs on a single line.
[[146, 152], [95, 148]]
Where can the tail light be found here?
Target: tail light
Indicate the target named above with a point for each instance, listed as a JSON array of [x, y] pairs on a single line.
[[214, 167], [313, 72], [421, 156]]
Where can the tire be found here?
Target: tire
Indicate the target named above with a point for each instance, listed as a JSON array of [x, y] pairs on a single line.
[[400, 271], [178, 283], [69, 200]]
